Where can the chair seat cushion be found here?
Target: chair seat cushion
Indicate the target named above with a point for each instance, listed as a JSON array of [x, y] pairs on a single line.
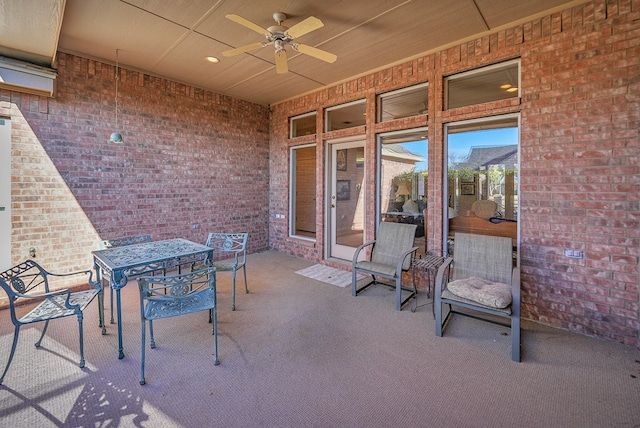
[[485, 292]]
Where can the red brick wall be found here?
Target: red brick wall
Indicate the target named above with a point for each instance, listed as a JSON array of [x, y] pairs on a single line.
[[190, 157], [579, 172]]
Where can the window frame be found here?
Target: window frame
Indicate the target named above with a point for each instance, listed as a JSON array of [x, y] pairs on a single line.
[[292, 120], [408, 89], [329, 110], [445, 163], [293, 190], [477, 72]]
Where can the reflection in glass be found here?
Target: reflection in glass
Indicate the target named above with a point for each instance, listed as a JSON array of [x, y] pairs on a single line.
[[349, 194], [345, 116], [482, 177], [492, 83], [405, 102], [303, 191], [403, 179], [305, 124]]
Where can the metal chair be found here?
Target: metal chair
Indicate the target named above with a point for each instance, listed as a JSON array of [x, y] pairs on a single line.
[[235, 244], [120, 242], [170, 296], [481, 278], [27, 283], [392, 253]]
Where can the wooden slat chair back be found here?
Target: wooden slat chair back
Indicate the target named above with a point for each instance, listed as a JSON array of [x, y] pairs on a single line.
[[28, 282]]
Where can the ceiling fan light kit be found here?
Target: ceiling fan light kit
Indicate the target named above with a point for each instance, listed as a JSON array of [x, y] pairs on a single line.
[[280, 37]]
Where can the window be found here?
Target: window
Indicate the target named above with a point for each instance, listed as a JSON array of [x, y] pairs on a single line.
[[482, 177], [305, 124], [302, 209], [403, 178], [492, 83], [405, 102], [345, 116]]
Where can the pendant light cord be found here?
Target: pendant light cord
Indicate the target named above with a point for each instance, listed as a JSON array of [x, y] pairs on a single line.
[[117, 78]]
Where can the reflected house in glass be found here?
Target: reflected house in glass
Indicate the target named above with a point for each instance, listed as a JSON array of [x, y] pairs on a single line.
[[492, 171], [398, 170]]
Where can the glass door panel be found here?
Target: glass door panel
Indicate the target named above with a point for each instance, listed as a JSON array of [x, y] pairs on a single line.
[[346, 204]]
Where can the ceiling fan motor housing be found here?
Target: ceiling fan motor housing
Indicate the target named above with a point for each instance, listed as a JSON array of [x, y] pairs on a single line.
[[278, 32]]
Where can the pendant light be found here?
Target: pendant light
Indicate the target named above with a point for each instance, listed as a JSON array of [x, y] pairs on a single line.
[[116, 137]]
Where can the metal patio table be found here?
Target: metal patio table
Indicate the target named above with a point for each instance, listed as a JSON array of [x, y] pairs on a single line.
[[119, 263]]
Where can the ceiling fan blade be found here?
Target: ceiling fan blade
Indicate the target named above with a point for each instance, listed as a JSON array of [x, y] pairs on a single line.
[[304, 27], [315, 52], [242, 49], [281, 62], [246, 23]]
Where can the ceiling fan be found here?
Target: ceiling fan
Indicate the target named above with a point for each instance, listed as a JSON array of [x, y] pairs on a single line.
[[281, 36]]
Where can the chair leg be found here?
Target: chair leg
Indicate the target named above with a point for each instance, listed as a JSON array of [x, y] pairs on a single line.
[[13, 350], [142, 351], [399, 302], [81, 339], [246, 287], [44, 330], [233, 290], [415, 290], [101, 311], [438, 315], [353, 281], [214, 314], [111, 303], [399, 293], [152, 342], [515, 339]]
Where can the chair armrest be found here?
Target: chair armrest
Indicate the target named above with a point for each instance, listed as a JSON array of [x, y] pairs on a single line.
[[439, 284], [515, 287], [88, 271], [94, 284], [402, 258], [45, 296], [357, 252]]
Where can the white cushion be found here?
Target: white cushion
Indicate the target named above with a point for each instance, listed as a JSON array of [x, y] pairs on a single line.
[[485, 292]]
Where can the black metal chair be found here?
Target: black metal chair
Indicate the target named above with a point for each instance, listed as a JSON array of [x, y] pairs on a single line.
[[27, 283]]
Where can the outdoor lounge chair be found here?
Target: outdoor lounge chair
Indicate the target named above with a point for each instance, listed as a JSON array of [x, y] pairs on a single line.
[[391, 254], [480, 278]]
